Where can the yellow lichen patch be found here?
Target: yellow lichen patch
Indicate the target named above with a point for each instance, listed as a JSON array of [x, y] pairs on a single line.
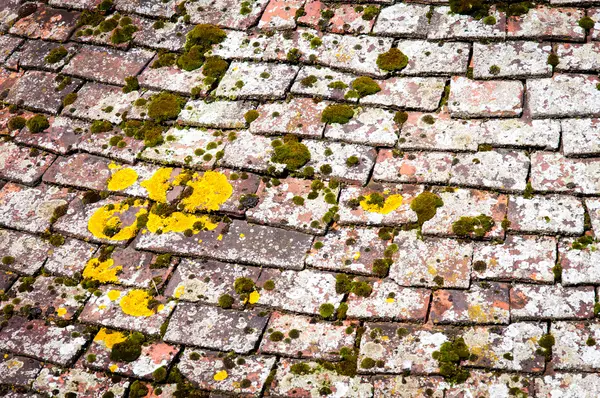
[[113, 295], [178, 222], [61, 312], [110, 339], [209, 192], [159, 184], [122, 179], [254, 297], [221, 375], [390, 204], [102, 271], [13, 363], [477, 314], [107, 216], [179, 291], [390, 300], [135, 303], [113, 368]]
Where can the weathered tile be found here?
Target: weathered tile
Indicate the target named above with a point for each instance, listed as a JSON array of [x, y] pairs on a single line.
[[579, 265], [277, 206], [8, 79], [77, 381], [118, 307], [491, 384], [31, 209], [44, 342], [368, 126], [250, 152], [552, 172], [300, 116], [180, 148], [107, 65], [216, 114], [206, 280], [261, 80], [551, 302], [70, 258], [7, 45], [444, 134], [328, 83], [317, 380], [470, 98], [330, 160], [483, 303], [215, 328], [18, 371], [413, 167], [34, 52], [500, 169], [580, 136], [593, 206], [49, 297], [80, 170], [544, 133], [430, 58], [154, 355], [279, 14], [518, 59], [127, 149], [233, 14], [564, 96], [152, 8], [299, 291], [7, 278], [409, 386], [61, 137], [211, 370], [467, 203], [8, 14], [403, 19], [170, 36], [307, 338], [101, 102], [173, 78], [431, 262], [447, 25], [348, 249], [566, 385], [543, 22], [355, 206], [527, 258], [42, 91], [348, 18], [22, 164], [28, 252], [578, 57], [418, 93], [576, 347], [548, 214], [47, 24], [390, 301]]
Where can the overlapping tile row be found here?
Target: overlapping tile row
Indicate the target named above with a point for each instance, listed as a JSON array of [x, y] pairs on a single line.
[[299, 198]]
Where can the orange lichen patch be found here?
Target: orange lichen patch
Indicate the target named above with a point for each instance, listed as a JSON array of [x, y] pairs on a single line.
[[108, 218], [122, 179], [390, 204], [209, 192], [102, 271], [160, 183], [179, 222], [135, 303], [109, 339]]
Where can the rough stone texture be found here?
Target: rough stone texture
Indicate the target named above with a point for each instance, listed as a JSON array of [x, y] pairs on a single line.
[[47, 85], [217, 114], [321, 87], [19, 371], [369, 126], [546, 214], [290, 118], [552, 172], [469, 98], [543, 22], [576, 347], [276, 80], [101, 102], [61, 137], [551, 302], [564, 96], [543, 133], [578, 265], [21, 164], [413, 167], [593, 206], [580, 136], [29, 252], [578, 57], [424, 93], [444, 134], [47, 24], [516, 60], [446, 25], [78, 381], [505, 170], [403, 19], [429, 58], [224, 330]]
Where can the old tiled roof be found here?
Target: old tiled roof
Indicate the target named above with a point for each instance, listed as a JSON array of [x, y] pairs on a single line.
[[299, 198]]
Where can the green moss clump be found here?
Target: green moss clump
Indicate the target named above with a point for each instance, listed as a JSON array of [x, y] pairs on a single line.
[[426, 205], [16, 123], [37, 124], [276, 336], [164, 106], [56, 54], [337, 113], [138, 390], [553, 60], [199, 41], [582, 242], [225, 301], [327, 310], [516, 9], [162, 261], [449, 357], [301, 369], [159, 374], [105, 5], [476, 8], [428, 119], [370, 12], [251, 116], [489, 20], [400, 118], [269, 285], [100, 126], [364, 86], [8, 260], [477, 226], [214, 68], [292, 153], [69, 99], [392, 61], [308, 81], [164, 59], [294, 333], [131, 84], [586, 23], [338, 85], [546, 342], [128, 350], [243, 285]]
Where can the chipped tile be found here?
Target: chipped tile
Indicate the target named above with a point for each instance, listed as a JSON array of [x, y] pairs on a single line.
[[564, 96], [300, 116], [216, 114], [552, 172], [260, 80], [368, 126], [470, 98], [413, 167], [424, 93], [22, 164], [28, 251], [551, 302], [547, 214], [515, 60], [500, 169]]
